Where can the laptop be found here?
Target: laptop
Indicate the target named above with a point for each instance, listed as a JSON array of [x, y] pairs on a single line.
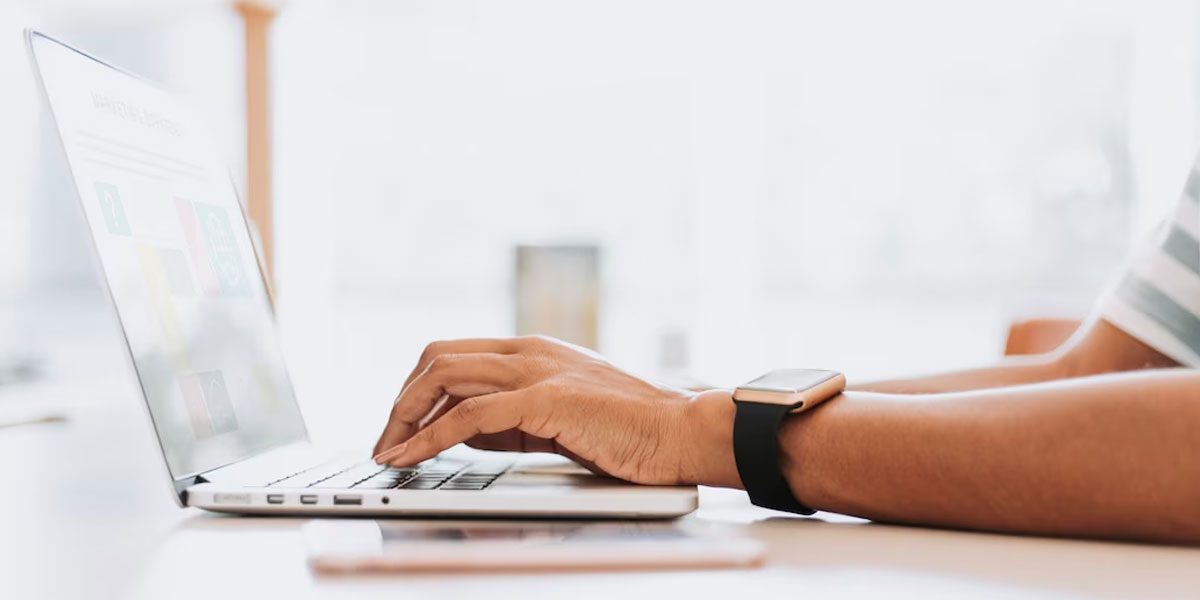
[[177, 259]]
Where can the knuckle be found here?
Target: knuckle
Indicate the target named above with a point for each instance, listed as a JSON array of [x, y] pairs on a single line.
[[536, 340], [431, 350], [469, 410], [441, 362], [520, 370], [426, 437]]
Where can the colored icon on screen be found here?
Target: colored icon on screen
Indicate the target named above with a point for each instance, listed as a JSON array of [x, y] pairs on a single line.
[[163, 301], [193, 403], [206, 400], [114, 211], [205, 274], [222, 248]]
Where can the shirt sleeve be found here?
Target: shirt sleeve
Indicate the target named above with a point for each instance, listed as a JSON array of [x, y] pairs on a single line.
[[1157, 297]]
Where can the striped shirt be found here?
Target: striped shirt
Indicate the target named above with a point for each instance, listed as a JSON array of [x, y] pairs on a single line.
[[1157, 299]]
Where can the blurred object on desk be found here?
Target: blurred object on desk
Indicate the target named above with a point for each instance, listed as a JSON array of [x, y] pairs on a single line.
[[558, 293], [7, 421], [16, 368], [19, 359], [31, 400]]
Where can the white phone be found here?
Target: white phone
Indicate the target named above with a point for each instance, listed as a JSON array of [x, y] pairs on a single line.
[[359, 546]]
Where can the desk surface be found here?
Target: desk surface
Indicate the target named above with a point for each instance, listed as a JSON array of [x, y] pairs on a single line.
[[84, 513]]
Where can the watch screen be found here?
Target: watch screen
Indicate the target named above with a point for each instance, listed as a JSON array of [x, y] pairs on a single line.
[[789, 380]]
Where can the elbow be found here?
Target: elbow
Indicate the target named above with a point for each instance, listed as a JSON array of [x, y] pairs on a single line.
[[1099, 347]]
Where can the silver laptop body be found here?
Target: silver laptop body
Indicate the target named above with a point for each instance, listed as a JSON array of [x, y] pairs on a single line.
[[176, 257]]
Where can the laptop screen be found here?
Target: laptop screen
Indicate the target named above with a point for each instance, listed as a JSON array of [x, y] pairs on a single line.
[[176, 253]]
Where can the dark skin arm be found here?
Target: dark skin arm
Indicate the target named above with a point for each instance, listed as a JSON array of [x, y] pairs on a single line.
[[1069, 452], [1112, 456]]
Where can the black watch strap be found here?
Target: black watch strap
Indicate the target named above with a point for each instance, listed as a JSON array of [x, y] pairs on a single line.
[[756, 452]]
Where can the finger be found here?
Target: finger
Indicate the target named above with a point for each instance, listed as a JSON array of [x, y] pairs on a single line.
[[462, 375], [467, 346], [519, 441], [459, 375], [439, 408], [492, 413], [398, 430], [435, 349]]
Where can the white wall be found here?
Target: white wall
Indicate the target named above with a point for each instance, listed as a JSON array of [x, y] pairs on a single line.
[[876, 186]]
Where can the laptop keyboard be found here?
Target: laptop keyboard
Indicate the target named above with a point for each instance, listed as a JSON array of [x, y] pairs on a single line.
[[436, 474]]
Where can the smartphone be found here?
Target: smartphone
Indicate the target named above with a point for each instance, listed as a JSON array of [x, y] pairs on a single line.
[[361, 546]]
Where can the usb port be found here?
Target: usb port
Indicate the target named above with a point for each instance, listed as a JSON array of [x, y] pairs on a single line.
[[274, 498], [347, 500], [308, 499]]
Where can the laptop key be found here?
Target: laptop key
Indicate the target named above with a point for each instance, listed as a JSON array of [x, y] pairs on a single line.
[[334, 482], [384, 481], [485, 470], [400, 471], [417, 484], [454, 485], [382, 484], [391, 478]]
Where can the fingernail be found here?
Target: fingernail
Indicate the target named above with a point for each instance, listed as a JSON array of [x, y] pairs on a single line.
[[390, 453]]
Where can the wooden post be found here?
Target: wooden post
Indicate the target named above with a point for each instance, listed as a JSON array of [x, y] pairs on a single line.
[[257, 17]]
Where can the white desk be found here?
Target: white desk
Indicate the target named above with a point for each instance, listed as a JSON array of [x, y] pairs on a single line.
[[84, 514]]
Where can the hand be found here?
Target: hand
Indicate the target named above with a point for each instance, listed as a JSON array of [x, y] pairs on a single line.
[[535, 394]]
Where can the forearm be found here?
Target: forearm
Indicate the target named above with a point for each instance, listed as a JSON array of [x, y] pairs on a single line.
[[1099, 347], [1113, 456], [1012, 371]]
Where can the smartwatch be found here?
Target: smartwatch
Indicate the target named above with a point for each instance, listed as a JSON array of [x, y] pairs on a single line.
[[762, 404]]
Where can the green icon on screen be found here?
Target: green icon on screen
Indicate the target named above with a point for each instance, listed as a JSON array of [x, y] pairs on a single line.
[[222, 248], [114, 212]]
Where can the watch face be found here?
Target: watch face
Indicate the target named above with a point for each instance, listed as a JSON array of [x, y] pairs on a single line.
[[800, 389], [788, 381]]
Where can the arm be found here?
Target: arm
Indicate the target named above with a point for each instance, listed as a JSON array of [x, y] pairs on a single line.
[[1114, 456], [1104, 456], [1098, 347]]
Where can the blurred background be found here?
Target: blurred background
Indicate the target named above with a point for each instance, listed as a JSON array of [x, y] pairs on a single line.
[[874, 186]]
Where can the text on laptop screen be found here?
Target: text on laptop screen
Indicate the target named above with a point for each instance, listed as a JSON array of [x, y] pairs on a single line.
[[178, 259]]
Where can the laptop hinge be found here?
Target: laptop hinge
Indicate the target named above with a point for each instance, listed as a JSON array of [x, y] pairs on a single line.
[[182, 484]]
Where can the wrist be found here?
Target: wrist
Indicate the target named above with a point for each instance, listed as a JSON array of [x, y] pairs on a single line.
[[708, 440], [808, 450]]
